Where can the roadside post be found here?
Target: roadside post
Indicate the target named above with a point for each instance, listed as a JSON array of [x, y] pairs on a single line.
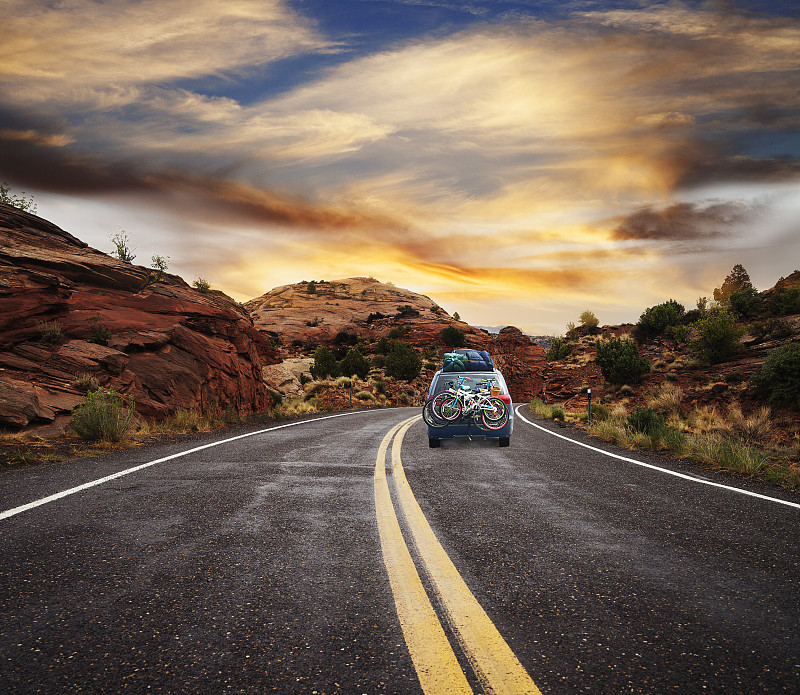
[[589, 403]]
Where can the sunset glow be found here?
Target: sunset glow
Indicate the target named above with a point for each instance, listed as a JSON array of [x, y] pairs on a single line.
[[517, 162]]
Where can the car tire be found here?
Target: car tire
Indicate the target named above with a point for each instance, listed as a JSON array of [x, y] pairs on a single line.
[[504, 441], [434, 442]]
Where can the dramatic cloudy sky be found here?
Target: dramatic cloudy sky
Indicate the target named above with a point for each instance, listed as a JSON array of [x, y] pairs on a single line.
[[518, 162]]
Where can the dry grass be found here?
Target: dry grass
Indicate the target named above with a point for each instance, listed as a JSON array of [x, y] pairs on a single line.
[[753, 428], [668, 399], [706, 420]]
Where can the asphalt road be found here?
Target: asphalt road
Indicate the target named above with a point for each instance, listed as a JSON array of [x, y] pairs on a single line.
[[257, 566]]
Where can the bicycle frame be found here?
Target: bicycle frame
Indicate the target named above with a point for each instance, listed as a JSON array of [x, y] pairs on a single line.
[[459, 404]]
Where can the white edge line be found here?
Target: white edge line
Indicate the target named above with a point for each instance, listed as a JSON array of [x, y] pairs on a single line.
[[71, 491], [662, 470]]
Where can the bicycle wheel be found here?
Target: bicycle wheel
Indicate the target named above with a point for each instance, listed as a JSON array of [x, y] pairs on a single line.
[[430, 417], [497, 417], [447, 407]]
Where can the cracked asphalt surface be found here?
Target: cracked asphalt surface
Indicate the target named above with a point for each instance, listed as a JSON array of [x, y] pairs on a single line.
[[255, 567]]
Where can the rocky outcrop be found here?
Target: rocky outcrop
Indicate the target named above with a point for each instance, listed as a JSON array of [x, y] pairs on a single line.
[[318, 312], [325, 313], [521, 361], [163, 342]]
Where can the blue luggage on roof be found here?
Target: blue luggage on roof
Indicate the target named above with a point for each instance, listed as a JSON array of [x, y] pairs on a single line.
[[467, 360]]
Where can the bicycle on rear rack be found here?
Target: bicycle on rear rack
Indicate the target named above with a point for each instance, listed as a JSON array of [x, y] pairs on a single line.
[[463, 405]]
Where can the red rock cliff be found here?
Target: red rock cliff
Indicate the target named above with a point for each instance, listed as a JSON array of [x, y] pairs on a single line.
[[170, 346]]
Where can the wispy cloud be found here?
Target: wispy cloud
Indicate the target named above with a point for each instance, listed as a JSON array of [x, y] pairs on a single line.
[[523, 156]]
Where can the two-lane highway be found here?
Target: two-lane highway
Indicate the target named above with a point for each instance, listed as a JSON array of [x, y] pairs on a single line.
[[259, 564]]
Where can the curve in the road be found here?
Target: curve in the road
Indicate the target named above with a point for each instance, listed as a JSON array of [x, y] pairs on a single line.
[[658, 468]]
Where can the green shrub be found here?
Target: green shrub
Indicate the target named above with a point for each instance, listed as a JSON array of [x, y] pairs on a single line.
[[324, 363], [600, 412], [364, 396], [647, 421], [406, 310], [84, 382], [20, 202], [658, 319], [453, 337], [745, 303], [201, 285], [345, 338], [354, 363], [717, 336], [619, 361], [160, 265], [772, 329], [50, 331], [589, 321], [779, 377], [121, 249], [398, 332], [548, 412], [559, 349], [402, 362], [104, 415], [785, 301], [98, 333]]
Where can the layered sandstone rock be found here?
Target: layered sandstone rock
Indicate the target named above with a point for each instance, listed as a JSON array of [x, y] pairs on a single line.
[[322, 313], [521, 361], [164, 343]]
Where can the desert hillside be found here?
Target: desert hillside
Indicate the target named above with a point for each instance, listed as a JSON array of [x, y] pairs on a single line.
[[74, 318], [317, 311]]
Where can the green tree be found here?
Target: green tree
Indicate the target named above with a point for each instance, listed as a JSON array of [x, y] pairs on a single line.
[[619, 361], [717, 336], [658, 319], [589, 320], [453, 337], [354, 363], [324, 363], [745, 303], [122, 250], [738, 279], [456, 316], [403, 362], [311, 287], [20, 202]]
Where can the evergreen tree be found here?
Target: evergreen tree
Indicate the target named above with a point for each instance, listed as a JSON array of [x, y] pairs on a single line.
[[737, 280]]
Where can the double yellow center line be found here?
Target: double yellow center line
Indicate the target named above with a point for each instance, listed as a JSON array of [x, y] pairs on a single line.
[[495, 665]]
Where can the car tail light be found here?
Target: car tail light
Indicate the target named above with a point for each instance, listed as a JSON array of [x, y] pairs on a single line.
[[505, 399]]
